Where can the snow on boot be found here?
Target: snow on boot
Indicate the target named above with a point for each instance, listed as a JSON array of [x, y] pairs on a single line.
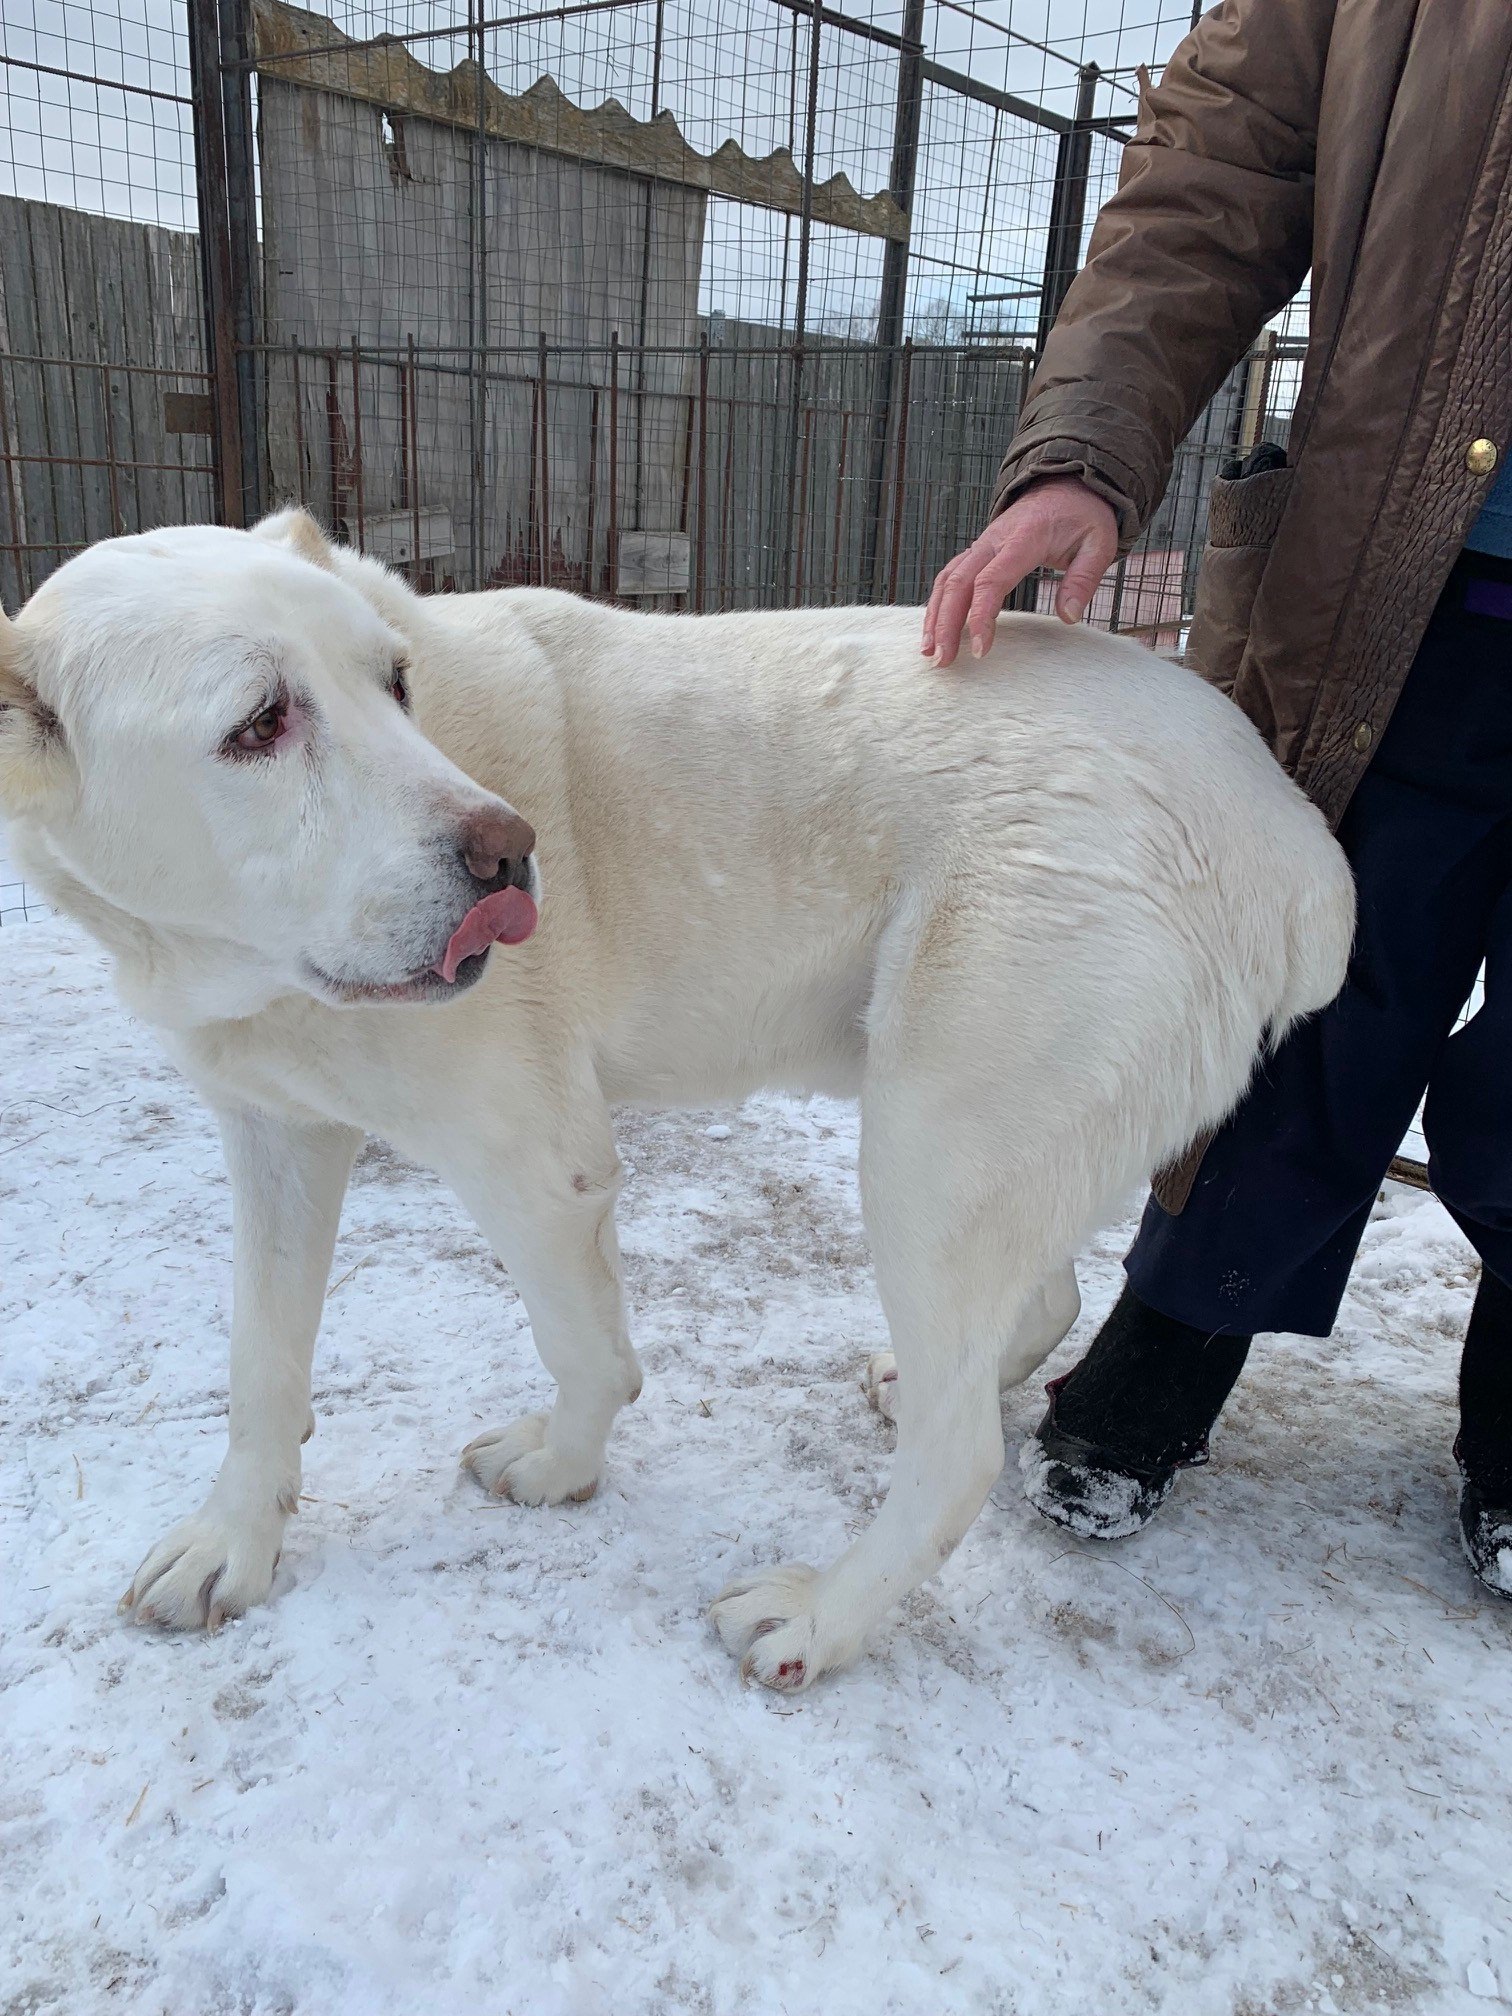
[[1134, 1412], [1486, 1535], [1088, 1491]]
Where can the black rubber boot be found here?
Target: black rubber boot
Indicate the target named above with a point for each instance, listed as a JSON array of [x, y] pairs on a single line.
[[1136, 1410], [1483, 1449]]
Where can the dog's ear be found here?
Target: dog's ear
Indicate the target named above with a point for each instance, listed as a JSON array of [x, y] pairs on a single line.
[[293, 526], [34, 760]]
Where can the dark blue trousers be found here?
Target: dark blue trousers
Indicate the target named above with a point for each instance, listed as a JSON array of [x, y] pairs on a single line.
[[1270, 1232]]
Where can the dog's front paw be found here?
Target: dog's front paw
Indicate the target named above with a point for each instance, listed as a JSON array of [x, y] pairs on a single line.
[[774, 1623], [517, 1462], [209, 1568]]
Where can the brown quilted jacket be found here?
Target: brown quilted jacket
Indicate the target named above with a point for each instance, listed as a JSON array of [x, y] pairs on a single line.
[[1371, 142]]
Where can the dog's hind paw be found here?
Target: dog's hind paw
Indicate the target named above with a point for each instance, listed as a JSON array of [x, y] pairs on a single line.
[[773, 1623], [516, 1462], [207, 1569], [879, 1382]]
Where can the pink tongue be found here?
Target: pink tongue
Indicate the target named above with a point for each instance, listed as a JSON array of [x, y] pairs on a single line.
[[506, 917]]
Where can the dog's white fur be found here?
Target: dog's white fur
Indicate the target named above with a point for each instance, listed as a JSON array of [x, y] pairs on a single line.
[[1039, 914]]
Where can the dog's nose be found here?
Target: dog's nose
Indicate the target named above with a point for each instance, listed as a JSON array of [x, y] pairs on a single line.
[[495, 844]]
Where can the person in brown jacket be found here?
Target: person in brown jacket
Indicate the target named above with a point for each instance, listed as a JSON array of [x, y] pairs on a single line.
[[1355, 600]]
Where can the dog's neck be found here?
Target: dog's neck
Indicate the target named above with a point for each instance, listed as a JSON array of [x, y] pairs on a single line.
[[172, 979]]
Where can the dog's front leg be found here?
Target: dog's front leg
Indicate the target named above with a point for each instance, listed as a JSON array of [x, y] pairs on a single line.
[[551, 1221], [287, 1183]]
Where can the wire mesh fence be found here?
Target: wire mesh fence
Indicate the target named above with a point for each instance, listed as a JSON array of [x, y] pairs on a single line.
[[721, 302]]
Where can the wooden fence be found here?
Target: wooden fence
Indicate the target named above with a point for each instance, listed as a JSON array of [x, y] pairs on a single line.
[[103, 390]]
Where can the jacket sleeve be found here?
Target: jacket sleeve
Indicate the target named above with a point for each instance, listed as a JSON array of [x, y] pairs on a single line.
[[1209, 233]]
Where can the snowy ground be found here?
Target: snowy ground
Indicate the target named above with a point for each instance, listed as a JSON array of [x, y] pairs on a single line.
[[479, 1758]]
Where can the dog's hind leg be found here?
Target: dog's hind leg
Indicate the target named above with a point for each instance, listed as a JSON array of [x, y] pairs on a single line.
[[982, 1163], [550, 1219], [1047, 1321], [287, 1183], [958, 1252]]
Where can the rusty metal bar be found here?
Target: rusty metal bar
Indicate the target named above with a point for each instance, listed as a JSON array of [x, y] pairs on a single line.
[[614, 377], [299, 433], [116, 524], [125, 370], [803, 484], [545, 489], [1120, 575], [392, 353], [412, 464], [357, 447], [899, 470], [589, 571], [685, 488], [334, 444], [701, 523], [105, 462], [727, 507], [12, 492], [533, 486], [845, 420], [101, 83]]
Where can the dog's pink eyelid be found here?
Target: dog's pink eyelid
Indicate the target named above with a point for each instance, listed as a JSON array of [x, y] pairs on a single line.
[[245, 740]]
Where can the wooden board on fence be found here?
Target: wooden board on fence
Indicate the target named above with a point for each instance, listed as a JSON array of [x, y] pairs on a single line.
[[399, 538], [653, 563]]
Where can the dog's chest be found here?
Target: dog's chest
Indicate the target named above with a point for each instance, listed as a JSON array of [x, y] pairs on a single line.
[[291, 1060]]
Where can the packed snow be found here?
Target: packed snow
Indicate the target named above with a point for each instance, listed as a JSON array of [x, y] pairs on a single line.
[[473, 1757]]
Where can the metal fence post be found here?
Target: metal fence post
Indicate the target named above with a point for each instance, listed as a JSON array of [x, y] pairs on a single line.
[[241, 224], [1068, 210], [478, 319], [892, 299], [800, 305], [1068, 204], [215, 255]]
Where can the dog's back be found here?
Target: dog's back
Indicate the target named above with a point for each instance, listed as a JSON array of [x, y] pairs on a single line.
[[768, 788]]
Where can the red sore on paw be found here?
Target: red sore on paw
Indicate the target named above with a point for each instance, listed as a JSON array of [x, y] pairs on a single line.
[[790, 1673]]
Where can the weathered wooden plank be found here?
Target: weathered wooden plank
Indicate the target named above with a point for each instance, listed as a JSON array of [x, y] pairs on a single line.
[[82, 386], [14, 574], [118, 311], [60, 416], [28, 402]]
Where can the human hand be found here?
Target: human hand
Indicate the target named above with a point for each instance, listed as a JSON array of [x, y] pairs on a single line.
[[1058, 522]]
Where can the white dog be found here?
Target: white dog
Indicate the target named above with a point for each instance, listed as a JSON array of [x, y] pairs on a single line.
[[1039, 915]]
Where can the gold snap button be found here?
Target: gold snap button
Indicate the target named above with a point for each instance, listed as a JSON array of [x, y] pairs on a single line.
[[1363, 736], [1480, 457]]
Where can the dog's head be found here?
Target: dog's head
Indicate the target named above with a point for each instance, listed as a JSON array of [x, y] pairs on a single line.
[[207, 748]]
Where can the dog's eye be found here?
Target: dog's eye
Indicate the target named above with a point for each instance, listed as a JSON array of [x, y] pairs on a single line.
[[259, 734], [399, 685]]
